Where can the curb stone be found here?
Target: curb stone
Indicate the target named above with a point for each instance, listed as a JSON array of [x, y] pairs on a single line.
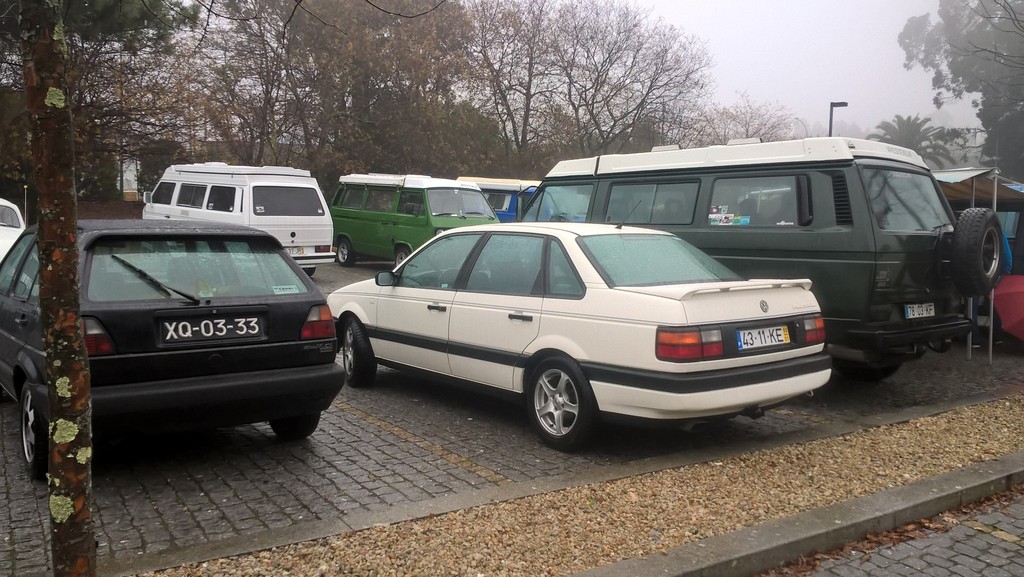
[[755, 549]]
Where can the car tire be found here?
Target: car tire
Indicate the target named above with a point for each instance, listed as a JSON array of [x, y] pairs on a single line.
[[309, 270], [864, 372], [34, 440], [401, 253], [295, 428], [357, 360], [344, 254], [561, 405], [976, 252]]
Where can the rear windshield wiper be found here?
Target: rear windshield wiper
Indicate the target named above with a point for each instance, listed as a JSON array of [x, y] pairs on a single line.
[[153, 282]]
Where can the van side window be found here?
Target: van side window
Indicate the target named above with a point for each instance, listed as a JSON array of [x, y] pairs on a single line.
[[191, 195], [655, 203], [379, 199], [410, 202], [352, 197], [755, 201], [222, 198], [163, 193]]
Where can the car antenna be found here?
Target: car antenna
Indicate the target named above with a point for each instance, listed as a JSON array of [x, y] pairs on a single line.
[[628, 214]]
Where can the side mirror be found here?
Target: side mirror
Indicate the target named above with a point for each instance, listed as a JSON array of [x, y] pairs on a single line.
[[385, 278], [147, 197]]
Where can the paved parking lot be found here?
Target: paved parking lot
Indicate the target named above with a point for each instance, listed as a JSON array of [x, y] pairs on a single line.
[[381, 453]]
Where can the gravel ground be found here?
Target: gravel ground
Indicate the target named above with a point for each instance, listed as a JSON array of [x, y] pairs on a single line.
[[567, 531]]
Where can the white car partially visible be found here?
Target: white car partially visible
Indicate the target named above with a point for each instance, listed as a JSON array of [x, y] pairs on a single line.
[[11, 225], [584, 322]]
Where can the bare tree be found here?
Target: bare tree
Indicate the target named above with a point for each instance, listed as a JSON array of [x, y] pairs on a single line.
[[745, 119], [67, 371], [511, 76], [617, 66]]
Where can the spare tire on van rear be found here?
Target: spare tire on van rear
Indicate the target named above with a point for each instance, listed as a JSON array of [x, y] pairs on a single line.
[[977, 252]]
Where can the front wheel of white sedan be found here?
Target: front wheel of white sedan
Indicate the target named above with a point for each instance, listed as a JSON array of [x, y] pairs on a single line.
[[561, 404], [357, 358]]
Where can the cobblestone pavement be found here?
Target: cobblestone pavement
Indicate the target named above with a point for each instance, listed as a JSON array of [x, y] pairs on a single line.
[[406, 441], [987, 542]]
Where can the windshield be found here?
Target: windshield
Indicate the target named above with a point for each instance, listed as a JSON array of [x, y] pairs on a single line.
[[904, 201], [561, 202], [132, 269], [458, 202], [651, 259]]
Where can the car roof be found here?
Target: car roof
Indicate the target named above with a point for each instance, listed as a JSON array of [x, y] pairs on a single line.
[[818, 149], [91, 229], [560, 229]]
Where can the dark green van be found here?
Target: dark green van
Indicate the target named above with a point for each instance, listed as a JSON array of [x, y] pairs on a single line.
[[865, 221], [386, 216]]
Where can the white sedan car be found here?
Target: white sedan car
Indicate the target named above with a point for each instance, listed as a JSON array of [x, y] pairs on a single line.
[[584, 322]]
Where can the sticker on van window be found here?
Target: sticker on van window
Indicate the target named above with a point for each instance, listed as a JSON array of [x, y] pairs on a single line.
[[289, 289], [259, 209]]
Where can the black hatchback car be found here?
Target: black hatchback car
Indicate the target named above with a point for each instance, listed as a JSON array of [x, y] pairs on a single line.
[[187, 325]]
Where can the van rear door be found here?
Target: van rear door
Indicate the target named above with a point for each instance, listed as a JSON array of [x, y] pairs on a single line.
[[297, 216]]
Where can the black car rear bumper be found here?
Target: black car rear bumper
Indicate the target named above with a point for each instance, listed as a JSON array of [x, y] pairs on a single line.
[[211, 400]]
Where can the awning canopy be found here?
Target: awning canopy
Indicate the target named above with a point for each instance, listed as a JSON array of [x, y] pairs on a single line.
[[963, 184]]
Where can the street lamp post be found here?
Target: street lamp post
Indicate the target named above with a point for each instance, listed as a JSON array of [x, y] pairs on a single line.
[[831, 107]]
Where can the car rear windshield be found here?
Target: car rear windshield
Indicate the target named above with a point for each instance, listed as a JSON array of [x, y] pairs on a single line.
[[286, 201], [173, 268], [458, 202], [904, 201], [654, 259]]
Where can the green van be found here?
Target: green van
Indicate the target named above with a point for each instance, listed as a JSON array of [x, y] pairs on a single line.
[[866, 222], [387, 216]]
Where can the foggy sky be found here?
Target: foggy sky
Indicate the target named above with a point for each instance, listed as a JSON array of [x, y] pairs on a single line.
[[804, 54]]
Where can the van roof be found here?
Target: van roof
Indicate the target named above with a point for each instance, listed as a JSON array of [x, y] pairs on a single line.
[[787, 151], [406, 180], [237, 170], [511, 184]]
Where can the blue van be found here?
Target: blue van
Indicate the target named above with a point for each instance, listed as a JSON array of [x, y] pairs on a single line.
[[504, 194]]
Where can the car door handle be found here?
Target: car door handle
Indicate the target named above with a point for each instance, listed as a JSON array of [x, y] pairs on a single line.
[[440, 308], [21, 320], [519, 317]]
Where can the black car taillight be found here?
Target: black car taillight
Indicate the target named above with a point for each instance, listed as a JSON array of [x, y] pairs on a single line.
[[319, 324], [688, 344], [97, 341]]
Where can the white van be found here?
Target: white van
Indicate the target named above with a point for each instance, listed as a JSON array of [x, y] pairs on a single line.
[[285, 202]]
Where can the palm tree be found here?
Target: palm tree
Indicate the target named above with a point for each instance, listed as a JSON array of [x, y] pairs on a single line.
[[915, 134]]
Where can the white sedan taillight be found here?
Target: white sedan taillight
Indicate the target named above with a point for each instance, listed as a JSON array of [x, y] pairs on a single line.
[[688, 344]]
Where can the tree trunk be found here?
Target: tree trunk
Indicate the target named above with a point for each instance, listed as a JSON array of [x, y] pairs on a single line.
[[67, 371]]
